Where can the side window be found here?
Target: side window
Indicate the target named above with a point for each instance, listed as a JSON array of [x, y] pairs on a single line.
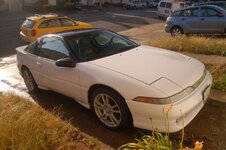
[[66, 22], [52, 48], [44, 24], [177, 13], [162, 4], [31, 48], [208, 12], [54, 23], [191, 12], [169, 5]]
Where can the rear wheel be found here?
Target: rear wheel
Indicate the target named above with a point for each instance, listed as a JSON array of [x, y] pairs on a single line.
[[176, 31], [29, 80], [111, 109]]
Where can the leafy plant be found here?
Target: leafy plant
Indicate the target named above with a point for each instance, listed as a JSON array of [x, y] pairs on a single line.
[[159, 141]]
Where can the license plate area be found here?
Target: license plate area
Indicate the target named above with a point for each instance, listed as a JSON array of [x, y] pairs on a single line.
[[205, 93]]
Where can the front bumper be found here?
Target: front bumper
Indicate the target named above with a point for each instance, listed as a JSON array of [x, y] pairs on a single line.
[[167, 28], [151, 116]]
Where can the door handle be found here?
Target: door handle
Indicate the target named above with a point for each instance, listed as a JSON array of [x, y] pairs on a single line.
[[183, 19], [202, 19]]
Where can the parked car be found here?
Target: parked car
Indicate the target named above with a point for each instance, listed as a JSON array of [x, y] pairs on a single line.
[[197, 20], [221, 4], [134, 4], [38, 25], [166, 7], [153, 3], [121, 81]]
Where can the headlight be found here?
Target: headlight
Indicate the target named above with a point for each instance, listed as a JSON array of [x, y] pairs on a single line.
[[173, 98], [166, 100]]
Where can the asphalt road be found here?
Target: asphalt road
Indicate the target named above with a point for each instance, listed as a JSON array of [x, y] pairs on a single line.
[[115, 19]]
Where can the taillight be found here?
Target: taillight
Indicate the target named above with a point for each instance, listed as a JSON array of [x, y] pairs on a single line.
[[33, 32]]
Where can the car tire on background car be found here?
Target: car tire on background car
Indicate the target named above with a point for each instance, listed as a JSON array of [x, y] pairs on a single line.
[[29, 80], [110, 109], [176, 31]]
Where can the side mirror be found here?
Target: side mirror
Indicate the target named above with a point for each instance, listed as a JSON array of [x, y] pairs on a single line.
[[65, 62], [220, 15]]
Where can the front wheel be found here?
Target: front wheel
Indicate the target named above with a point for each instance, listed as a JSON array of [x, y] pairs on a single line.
[[29, 80], [111, 109], [176, 31]]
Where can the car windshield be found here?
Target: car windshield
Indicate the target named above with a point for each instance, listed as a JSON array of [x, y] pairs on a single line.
[[98, 44]]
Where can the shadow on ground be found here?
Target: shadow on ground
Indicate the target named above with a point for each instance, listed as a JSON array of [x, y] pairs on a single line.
[[208, 126]]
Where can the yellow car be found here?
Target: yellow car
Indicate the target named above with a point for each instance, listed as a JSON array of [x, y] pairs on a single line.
[[38, 25]]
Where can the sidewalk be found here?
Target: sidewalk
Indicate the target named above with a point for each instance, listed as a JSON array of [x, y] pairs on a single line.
[[153, 32]]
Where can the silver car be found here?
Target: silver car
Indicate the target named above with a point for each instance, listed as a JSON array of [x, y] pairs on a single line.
[[206, 19]]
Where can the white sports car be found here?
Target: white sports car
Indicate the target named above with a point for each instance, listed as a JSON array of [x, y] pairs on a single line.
[[122, 82]]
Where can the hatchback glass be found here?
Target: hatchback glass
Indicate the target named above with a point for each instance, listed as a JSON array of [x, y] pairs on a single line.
[[28, 23]]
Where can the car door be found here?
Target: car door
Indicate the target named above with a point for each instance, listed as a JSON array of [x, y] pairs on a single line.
[[50, 26], [68, 24], [189, 20], [161, 8], [211, 21], [168, 9], [60, 79]]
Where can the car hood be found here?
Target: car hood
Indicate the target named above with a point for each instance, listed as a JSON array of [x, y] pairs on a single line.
[[149, 64]]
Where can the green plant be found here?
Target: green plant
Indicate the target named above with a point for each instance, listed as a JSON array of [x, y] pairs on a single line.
[[159, 141], [156, 141]]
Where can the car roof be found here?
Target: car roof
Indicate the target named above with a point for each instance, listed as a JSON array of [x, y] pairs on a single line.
[[38, 17], [217, 7], [77, 32]]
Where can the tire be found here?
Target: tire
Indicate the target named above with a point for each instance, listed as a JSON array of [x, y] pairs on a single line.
[[110, 109], [29, 81], [176, 31]]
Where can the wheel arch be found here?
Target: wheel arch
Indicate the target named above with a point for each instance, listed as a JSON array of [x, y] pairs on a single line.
[[99, 86], [176, 26]]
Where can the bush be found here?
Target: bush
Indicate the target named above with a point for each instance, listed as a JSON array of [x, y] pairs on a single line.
[[68, 6]]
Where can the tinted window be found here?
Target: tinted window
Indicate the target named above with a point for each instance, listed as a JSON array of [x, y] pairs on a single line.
[[168, 5], [162, 4], [99, 44], [31, 48], [190, 12], [54, 23], [67, 22], [44, 24], [28, 23], [52, 48], [177, 13], [208, 12]]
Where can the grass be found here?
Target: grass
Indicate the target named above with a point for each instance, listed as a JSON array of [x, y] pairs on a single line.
[[219, 76], [194, 44], [25, 126]]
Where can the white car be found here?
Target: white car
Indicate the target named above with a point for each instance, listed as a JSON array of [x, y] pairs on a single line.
[[134, 4], [121, 81]]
